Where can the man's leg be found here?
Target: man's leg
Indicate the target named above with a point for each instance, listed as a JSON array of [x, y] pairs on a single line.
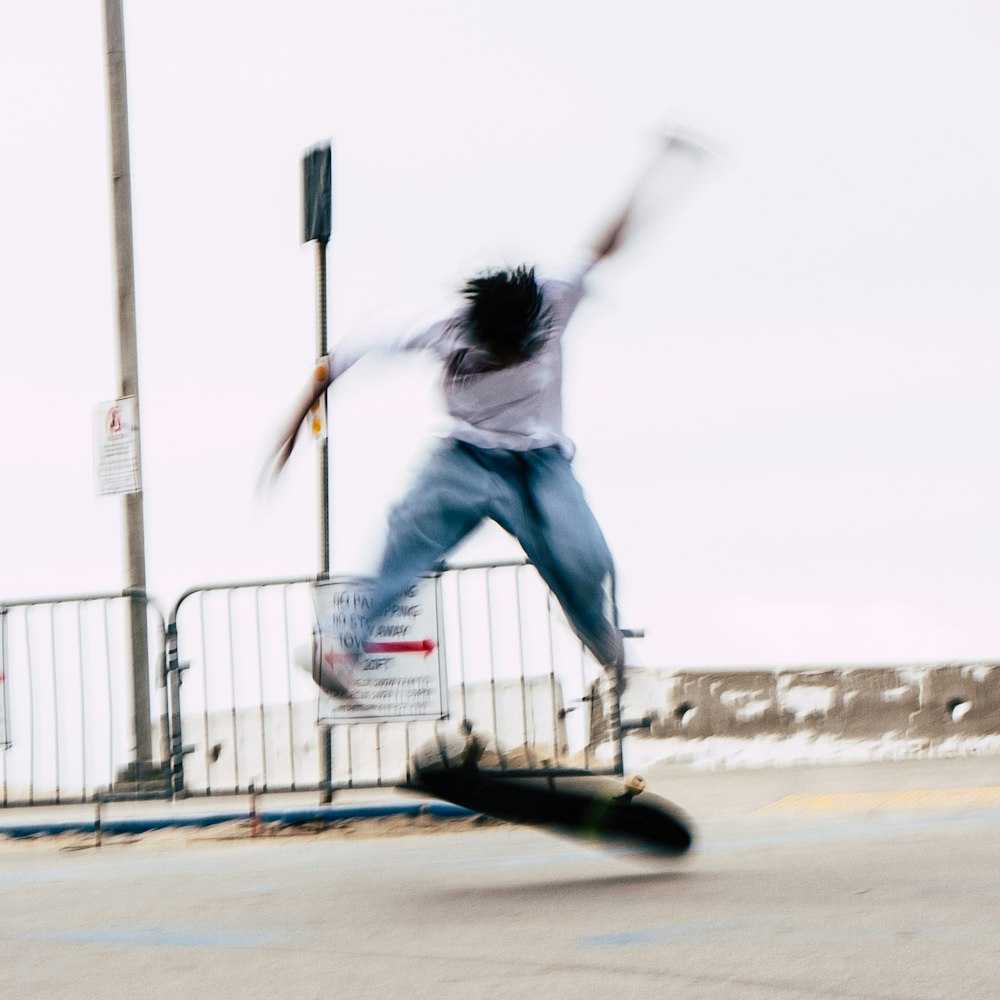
[[448, 499], [549, 515]]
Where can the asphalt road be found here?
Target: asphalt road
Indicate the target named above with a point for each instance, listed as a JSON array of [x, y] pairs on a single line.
[[879, 882]]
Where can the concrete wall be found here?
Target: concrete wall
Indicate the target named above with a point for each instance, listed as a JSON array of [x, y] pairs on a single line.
[[930, 701]]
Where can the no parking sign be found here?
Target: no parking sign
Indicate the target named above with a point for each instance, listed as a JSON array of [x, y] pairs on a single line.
[[401, 671]]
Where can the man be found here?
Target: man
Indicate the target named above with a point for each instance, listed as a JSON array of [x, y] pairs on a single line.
[[507, 456]]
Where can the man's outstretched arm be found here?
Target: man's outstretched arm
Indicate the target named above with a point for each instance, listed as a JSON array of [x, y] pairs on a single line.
[[321, 381], [674, 144], [388, 334]]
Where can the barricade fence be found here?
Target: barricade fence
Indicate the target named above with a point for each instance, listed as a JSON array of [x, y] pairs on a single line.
[[246, 714], [234, 708], [67, 730]]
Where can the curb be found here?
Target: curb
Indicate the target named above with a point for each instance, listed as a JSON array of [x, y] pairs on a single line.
[[281, 817]]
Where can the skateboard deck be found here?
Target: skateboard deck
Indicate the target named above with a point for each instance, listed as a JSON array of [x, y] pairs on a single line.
[[593, 807]]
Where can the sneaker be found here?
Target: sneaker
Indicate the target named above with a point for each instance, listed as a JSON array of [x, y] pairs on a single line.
[[333, 670]]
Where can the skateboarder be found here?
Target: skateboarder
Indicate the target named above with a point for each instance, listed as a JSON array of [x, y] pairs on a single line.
[[507, 456]]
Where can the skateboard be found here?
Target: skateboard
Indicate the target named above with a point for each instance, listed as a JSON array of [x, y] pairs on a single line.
[[596, 808]]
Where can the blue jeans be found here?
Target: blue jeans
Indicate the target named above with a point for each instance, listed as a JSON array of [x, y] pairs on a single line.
[[536, 498]]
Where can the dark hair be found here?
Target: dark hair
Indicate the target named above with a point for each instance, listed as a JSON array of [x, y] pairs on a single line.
[[505, 314]]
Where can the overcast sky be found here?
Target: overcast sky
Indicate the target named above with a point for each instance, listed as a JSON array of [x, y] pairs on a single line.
[[783, 394]]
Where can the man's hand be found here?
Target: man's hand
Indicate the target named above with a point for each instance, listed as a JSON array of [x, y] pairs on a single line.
[[286, 443], [677, 160]]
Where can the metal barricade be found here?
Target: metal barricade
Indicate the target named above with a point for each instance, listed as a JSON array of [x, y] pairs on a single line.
[[244, 714], [67, 731], [518, 671]]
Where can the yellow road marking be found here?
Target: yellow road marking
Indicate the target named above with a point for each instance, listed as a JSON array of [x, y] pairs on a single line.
[[918, 798]]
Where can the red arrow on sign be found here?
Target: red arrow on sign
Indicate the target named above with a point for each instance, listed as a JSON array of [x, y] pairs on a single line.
[[425, 646]]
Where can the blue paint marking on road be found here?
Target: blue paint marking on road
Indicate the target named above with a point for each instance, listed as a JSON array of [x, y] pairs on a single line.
[[281, 817], [667, 934], [643, 935], [162, 936], [762, 928]]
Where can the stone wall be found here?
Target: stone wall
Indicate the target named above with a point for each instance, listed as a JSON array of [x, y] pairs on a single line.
[[930, 701]]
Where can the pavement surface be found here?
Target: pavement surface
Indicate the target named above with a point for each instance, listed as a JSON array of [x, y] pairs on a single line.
[[875, 881]]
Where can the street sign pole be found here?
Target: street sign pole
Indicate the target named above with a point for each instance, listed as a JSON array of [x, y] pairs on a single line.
[[317, 223], [324, 443], [317, 202]]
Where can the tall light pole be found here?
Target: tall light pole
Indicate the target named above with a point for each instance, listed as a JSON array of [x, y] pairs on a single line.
[[121, 188]]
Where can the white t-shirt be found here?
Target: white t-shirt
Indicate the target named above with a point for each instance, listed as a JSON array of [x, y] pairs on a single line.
[[518, 408]]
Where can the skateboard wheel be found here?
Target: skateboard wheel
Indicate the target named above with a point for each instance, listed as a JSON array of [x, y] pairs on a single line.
[[634, 784]]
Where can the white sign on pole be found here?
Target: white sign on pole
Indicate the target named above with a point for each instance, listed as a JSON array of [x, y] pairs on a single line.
[[401, 674], [116, 447]]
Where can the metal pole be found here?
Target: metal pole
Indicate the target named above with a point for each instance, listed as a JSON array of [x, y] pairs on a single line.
[[323, 460], [128, 364], [324, 449], [317, 219]]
